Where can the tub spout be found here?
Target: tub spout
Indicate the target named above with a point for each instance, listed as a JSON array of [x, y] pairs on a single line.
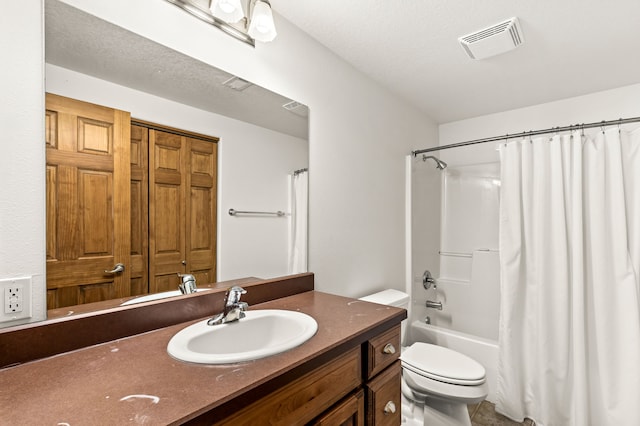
[[436, 305]]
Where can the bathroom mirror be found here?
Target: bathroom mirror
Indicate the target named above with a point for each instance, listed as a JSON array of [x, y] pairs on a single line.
[[84, 55]]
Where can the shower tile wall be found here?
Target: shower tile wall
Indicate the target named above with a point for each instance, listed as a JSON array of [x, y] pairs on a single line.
[[469, 276]]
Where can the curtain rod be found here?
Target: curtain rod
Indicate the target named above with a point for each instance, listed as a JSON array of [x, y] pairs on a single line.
[[602, 123]]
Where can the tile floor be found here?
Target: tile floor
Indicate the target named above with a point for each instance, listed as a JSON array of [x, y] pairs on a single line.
[[484, 414]]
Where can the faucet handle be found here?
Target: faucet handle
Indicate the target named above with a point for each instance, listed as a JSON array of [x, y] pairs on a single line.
[[188, 284], [234, 293]]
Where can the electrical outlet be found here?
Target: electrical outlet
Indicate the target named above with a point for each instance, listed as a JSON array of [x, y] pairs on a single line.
[[16, 297], [13, 300]]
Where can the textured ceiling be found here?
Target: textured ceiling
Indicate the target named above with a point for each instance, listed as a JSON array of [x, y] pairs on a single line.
[[572, 47], [81, 42]]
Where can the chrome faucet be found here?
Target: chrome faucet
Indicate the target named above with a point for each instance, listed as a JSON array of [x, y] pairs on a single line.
[[188, 284], [436, 305], [233, 307]]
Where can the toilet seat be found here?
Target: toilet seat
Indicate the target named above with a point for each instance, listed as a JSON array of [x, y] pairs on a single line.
[[438, 372], [421, 389], [442, 364]]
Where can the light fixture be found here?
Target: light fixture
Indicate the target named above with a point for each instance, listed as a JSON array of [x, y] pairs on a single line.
[[261, 26], [229, 16], [229, 11]]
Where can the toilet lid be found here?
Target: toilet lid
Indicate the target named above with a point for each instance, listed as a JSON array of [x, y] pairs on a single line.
[[442, 364]]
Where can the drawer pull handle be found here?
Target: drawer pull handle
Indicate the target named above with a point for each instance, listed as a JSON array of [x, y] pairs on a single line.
[[389, 349], [390, 408]]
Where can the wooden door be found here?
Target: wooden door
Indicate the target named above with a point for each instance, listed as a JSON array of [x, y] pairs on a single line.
[[167, 210], [88, 201], [182, 209], [139, 210], [202, 207]]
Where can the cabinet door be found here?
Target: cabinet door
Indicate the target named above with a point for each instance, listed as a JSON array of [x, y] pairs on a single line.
[[88, 201], [384, 403], [348, 412]]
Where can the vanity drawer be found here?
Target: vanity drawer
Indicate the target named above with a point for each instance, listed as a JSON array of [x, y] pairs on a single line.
[[383, 397], [382, 351], [302, 400]]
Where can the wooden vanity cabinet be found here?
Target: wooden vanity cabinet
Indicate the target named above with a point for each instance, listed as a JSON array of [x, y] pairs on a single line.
[[381, 383], [359, 387]]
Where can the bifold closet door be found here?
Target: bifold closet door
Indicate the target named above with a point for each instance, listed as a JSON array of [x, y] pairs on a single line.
[[182, 209]]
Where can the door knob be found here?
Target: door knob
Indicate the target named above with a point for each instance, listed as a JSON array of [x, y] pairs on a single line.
[[118, 268]]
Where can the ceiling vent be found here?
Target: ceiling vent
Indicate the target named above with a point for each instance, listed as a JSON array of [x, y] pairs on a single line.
[[493, 40], [237, 83], [297, 108]]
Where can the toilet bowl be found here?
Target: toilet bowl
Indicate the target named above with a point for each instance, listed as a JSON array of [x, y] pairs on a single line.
[[437, 382]]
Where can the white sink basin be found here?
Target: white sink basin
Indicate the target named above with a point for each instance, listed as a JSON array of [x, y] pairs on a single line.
[[260, 334], [156, 296]]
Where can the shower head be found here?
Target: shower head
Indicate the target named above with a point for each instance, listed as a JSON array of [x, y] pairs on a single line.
[[441, 165]]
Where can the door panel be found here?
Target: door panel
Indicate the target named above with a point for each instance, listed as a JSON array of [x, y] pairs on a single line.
[[166, 210], [201, 226], [139, 210]]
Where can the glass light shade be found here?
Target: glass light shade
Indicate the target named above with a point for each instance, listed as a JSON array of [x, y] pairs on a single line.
[[228, 10], [262, 27]]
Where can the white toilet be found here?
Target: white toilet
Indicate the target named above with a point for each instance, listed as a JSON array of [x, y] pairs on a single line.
[[437, 382]]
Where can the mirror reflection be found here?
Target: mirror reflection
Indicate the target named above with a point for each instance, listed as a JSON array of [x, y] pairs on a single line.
[[197, 143]]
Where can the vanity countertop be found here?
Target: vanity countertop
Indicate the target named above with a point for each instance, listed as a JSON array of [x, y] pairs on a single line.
[[134, 381]]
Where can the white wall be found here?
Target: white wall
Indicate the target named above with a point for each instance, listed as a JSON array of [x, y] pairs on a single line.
[[359, 136], [254, 163], [22, 225], [605, 105]]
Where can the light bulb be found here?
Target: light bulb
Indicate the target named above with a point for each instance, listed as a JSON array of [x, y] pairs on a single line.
[[262, 27], [228, 10]]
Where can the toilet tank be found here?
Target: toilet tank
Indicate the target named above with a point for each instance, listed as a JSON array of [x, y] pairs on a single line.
[[391, 297]]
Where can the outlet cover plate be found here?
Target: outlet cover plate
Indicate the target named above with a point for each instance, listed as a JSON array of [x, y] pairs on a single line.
[[9, 296]]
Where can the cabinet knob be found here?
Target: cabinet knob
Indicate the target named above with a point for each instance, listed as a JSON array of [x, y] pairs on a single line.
[[184, 262], [389, 349], [390, 408]]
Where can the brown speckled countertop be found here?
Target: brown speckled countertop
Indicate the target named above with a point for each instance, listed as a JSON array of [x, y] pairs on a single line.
[[134, 381]]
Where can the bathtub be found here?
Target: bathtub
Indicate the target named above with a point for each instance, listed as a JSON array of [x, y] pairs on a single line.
[[483, 350]]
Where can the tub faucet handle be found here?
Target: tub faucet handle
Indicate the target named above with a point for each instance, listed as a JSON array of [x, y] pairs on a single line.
[[428, 280], [435, 305]]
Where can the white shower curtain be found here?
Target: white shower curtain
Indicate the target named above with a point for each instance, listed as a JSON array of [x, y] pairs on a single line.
[[570, 265], [298, 229]]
